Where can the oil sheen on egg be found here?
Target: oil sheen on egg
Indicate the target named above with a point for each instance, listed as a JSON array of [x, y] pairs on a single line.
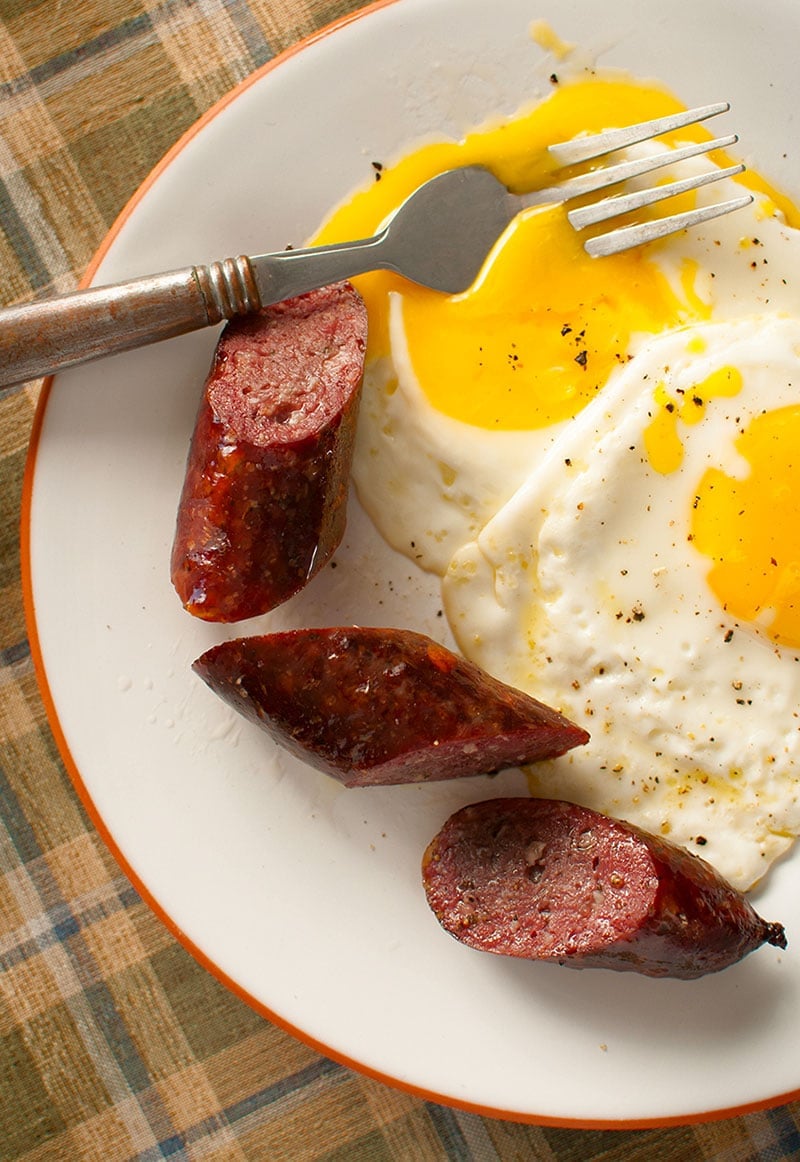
[[569, 444]]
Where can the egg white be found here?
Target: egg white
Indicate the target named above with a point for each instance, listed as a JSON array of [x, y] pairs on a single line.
[[586, 591]]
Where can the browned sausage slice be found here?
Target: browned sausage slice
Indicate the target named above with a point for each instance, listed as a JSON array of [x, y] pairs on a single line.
[[264, 499], [549, 880], [378, 706]]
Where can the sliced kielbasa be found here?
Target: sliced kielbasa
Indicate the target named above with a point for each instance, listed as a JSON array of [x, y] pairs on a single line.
[[548, 880], [264, 499], [378, 706]]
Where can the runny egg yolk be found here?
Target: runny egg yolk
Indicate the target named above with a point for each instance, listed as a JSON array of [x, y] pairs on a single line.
[[544, 325], [662, 438], [750, 528], [540, 332]]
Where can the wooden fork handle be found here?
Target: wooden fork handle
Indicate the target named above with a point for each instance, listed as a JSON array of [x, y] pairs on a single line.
[[42, 337]]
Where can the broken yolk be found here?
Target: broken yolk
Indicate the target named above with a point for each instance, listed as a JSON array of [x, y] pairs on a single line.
[[662, 437], [750, 528], [538, 334]]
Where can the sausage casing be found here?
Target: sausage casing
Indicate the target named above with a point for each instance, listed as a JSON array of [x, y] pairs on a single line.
[[377, 706], [263, 505], [549, 880]]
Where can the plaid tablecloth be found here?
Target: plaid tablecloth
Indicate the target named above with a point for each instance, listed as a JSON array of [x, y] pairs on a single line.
[[114, 1042]]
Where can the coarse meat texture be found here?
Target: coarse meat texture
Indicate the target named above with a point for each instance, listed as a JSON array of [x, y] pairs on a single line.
[[549, 880], [264, 500], [374, 706]]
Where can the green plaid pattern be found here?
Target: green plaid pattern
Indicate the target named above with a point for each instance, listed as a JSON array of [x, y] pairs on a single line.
[[114, 1043]]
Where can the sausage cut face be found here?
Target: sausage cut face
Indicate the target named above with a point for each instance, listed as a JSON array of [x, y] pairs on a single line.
[[557, 881]]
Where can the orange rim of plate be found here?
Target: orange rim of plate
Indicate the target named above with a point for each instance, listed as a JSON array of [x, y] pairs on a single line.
[[77, 780]]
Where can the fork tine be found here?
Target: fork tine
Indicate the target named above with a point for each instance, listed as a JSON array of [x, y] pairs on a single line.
[[598, 144], [611, 175], [624, 203], [628, 237]]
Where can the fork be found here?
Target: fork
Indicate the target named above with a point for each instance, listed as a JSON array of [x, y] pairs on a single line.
[[439, 237]]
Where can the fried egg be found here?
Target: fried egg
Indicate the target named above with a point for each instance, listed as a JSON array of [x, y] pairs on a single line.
[[464, 393], [570, 444], [647, 580]]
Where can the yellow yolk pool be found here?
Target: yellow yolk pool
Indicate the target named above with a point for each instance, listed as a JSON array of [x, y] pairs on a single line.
[[750, 527], [543, 327]]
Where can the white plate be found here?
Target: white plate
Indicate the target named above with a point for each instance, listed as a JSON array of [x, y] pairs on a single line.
[[305, 897]]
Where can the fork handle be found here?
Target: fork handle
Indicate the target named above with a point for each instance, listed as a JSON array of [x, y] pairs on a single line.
[[43, 337]]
